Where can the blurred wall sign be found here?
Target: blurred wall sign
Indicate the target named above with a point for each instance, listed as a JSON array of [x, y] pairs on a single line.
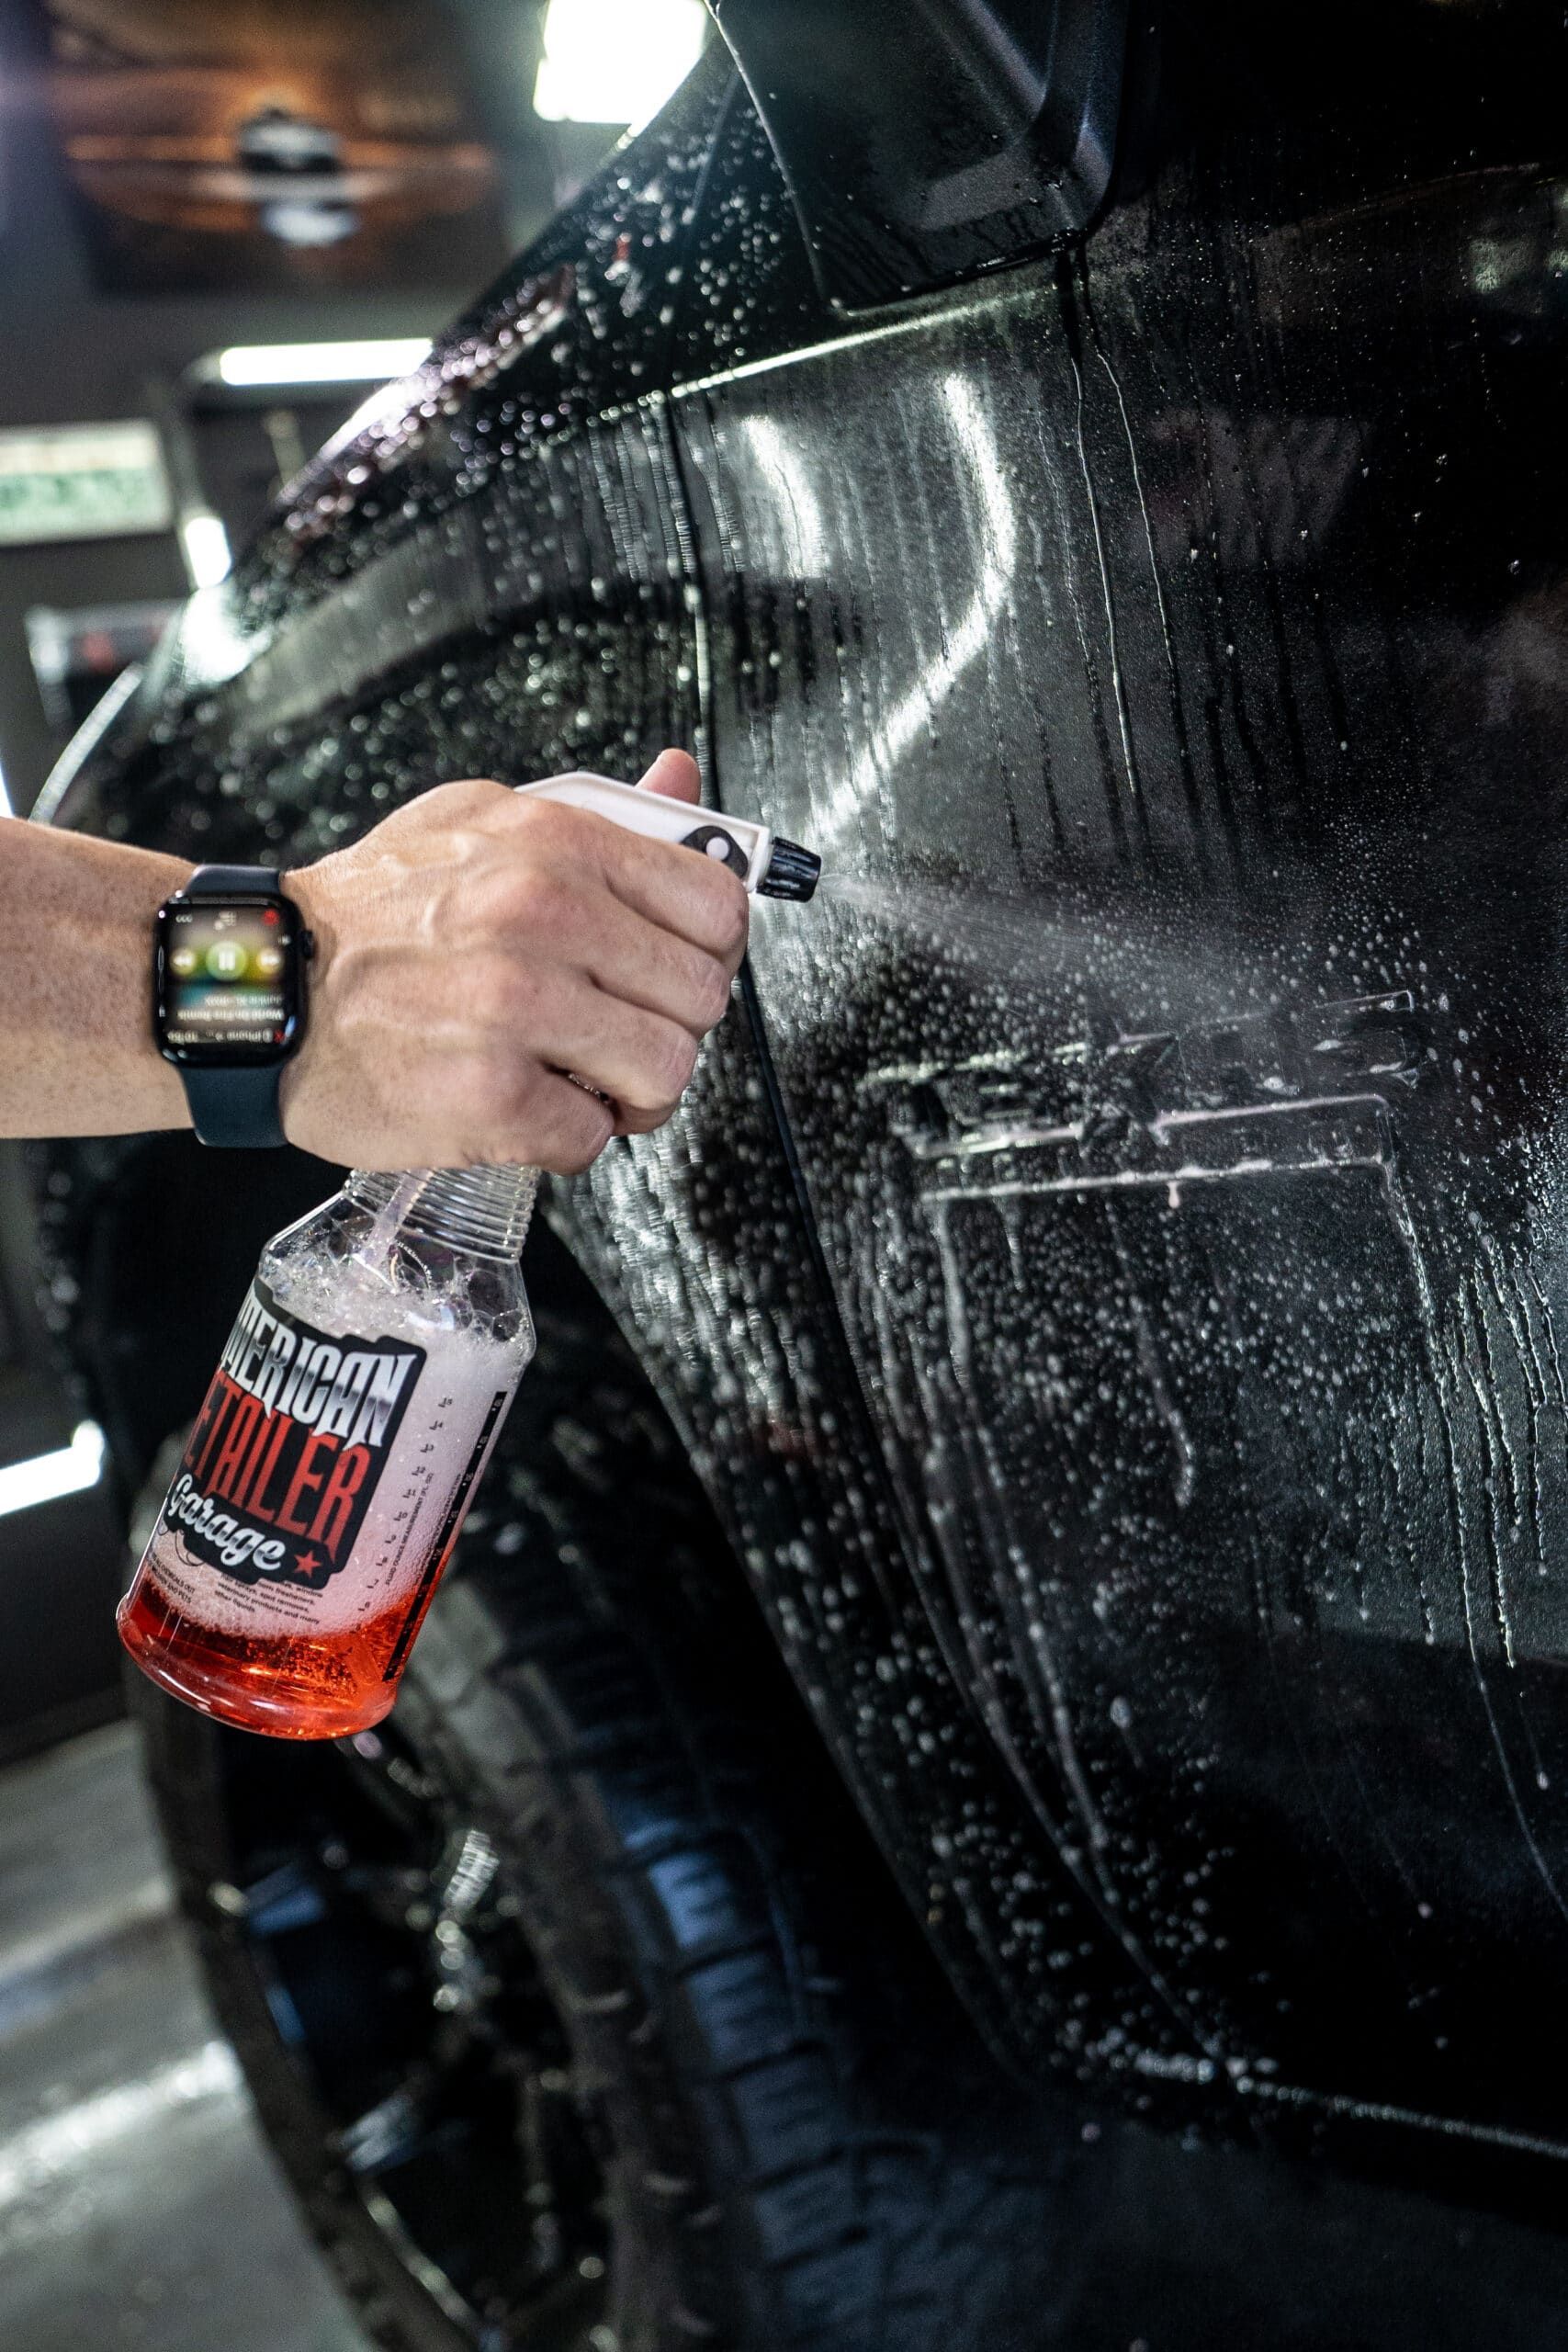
[[83, 481]]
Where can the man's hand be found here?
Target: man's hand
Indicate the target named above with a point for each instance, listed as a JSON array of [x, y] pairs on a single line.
[[474, 948]]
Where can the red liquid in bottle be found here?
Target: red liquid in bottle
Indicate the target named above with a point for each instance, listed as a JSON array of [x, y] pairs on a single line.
[[294, 1689]]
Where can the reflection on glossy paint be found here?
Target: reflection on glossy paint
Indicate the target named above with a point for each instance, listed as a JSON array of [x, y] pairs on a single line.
[[788, 477], [916, 712]]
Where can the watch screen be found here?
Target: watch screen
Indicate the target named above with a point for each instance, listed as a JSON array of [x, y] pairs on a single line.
[[227, 977]]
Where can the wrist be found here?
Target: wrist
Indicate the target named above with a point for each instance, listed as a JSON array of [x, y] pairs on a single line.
[[167, 1104], [302, 886]]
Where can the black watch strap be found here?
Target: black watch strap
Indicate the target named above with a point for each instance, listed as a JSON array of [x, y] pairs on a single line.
[[235, 1109], [235, 882]]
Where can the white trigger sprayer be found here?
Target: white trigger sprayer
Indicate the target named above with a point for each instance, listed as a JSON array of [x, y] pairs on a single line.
[[769, 866], [357, 1402]]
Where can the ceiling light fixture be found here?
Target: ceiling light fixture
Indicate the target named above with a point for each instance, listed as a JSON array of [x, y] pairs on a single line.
[[616, 60]]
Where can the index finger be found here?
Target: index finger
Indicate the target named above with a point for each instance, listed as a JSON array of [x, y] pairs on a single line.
[[681, 892]]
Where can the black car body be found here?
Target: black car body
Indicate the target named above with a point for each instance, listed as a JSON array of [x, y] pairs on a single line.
[[1110, 1274]]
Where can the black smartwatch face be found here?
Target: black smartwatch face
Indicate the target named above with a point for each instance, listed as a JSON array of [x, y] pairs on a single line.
[[228, 981]]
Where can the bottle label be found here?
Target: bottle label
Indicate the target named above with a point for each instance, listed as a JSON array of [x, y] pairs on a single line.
[[446, 1534], [289, 1449]]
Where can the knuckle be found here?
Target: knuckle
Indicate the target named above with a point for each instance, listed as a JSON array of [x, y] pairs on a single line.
[[555, 829], [576, 1147], [732, 915], [537, 896], [500, 1092], [468, 843], [715, 996], [495, 990], [468, 797], [673, 1057], [704, 988]]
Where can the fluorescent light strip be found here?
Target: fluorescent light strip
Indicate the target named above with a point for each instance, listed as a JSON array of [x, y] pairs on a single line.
[[321, 363], [47, 1476]]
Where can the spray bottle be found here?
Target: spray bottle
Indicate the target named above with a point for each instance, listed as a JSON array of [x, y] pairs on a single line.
[[356, 1405]]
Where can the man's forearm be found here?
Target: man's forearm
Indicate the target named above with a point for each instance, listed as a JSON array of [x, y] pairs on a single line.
[[76, 1050]]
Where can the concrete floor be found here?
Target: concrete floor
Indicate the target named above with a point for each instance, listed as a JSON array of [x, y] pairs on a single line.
[[137, 2206]]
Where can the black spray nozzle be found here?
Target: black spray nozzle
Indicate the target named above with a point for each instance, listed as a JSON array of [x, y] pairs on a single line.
[[793, 871]]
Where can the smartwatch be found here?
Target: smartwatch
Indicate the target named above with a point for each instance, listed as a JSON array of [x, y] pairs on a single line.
[[229, 997]]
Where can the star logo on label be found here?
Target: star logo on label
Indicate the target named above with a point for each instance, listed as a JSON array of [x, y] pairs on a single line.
[[307, 1563]]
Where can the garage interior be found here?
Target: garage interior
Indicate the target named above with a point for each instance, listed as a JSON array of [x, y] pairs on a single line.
[[225, 312]]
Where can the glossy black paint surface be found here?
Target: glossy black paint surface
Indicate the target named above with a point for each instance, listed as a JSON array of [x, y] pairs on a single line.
[[923, 143], [1111, 1276]]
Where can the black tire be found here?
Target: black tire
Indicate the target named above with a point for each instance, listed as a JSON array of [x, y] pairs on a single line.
[[793, 2137]]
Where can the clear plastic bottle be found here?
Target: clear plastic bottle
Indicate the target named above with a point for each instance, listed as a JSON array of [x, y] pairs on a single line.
[[329, 1471]]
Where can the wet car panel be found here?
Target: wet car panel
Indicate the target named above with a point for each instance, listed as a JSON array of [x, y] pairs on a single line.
[[1173, 1076]]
